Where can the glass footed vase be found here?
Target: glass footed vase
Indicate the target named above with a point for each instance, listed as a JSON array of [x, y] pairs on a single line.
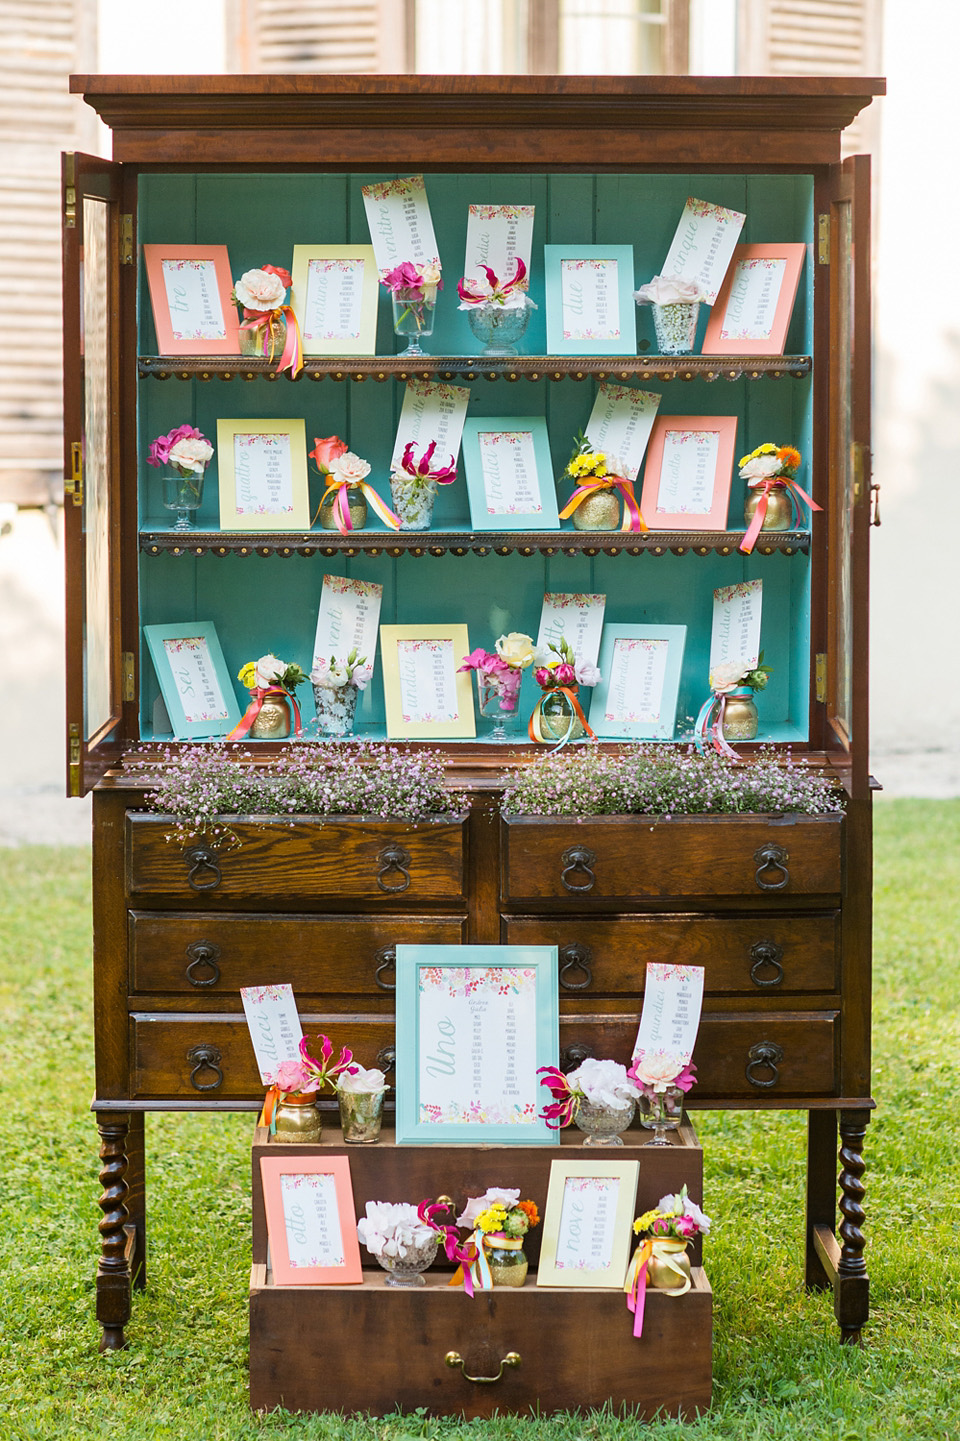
[[602, 1125], [412, 319], [499, 327], [497, 705], [183, 494], [661, 1112], [406, 1271]]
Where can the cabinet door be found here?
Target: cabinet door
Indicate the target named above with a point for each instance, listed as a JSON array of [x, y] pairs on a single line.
[[91, 190], [849, 491]]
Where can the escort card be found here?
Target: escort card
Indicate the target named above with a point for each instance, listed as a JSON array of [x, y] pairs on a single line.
[[348, 619], [333, 304], [588, 1217], [638, 671], [508, 464], [496, 236], [688, 472], [428, 680], [590, 299], [274, 1026], [311, 1220], [477, 1030], [195, 678], [735, 637], [431, 411], [193, 299], [703, 246], [401, 227], [262, 473], [621, 421], [672, 1000], [576, 617]]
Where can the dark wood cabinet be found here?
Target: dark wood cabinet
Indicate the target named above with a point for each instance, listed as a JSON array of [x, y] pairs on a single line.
[[777, 908]]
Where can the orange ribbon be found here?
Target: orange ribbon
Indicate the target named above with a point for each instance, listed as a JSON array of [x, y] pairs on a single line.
[[571, 694], [292, 357], [632, 517]]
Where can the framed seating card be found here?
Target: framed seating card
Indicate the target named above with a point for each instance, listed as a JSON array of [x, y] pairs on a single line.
[[348, 619], [497, 235], [575, 617], [311, 1222], [474, 1023], [703, 246], [753, 310], [334, 297], [686, 482], [509, 474], [424, 693], [431, 410], [263, 475], [587, 1223], [190, 288], [640, 669], [621, 421], [590, 306], [401, 227], [196, 686]]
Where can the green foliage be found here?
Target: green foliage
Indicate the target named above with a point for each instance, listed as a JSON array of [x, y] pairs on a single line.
[[780, 1374]]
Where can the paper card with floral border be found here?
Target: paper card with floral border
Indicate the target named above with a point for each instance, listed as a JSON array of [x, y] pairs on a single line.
[[474, 1024], [509, 473], [334, 297], [190, 288], [590, 307], [263, 475], [686, 481], [311, 1220], [426, 696], [196, 686], [640, 679], [587, 1223], [752, 312]]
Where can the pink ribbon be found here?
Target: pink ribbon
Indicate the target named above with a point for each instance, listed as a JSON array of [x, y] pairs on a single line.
[[292, 357], [257, 696], [636, 1287], [759, 515], [709, 727]]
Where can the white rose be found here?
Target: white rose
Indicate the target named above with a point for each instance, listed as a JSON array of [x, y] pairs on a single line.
[[605, 1082], [362, 1082], [330, 675], [516, 649], [666, 290], [191, 455], [760, 468], [658, 1069], [727, 675], [269, 670], [258, 290], [350, 468]]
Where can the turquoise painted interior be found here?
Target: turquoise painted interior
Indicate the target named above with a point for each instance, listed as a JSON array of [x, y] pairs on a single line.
[[261, 604]]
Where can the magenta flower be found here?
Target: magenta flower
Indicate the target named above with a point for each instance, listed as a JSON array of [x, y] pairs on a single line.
[[560, 1111], [421, 470], [565, 674], [322, 1070], [543, 676], [404, 276]]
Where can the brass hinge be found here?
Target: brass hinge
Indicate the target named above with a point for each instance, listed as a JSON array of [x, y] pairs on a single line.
[[821, 676], [129, 692], [823, 239], [126, 239], [860, 464], [70, 191], [73, 732], [73, 485]]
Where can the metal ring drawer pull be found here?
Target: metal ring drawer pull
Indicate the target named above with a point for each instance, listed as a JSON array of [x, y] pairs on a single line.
[[771, 858], [454, 1359], [393, 858], [766, 953], [200, 859], [576, 957], [765, 1055], [387, 1059], [578, 858], [387, 956], [205, 1058], [574, 1055], [203, 953]]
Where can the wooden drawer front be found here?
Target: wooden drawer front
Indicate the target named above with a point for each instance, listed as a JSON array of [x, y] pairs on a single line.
[[318, 955], [350, 859], [617, 858], [737, 1056], [768, 954]]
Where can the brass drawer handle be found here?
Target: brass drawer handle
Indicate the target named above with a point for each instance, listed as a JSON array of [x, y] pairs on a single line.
[[203, 954], [578, 858], [771, 859], [200, 859], [766, 953], [393, 858], [387, 956], [454, 1359], [576, 958], [205, 1058], [765, 1055], [574, 1055]]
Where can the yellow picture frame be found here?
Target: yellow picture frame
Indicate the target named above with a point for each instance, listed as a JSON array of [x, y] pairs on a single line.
[[341, 264], [246, 482], [565, 1251], [405, 652]]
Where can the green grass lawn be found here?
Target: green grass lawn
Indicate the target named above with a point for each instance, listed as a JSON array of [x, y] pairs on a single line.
[[779, 1370]]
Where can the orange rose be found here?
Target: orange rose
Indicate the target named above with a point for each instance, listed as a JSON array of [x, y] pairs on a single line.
[[326, 451]]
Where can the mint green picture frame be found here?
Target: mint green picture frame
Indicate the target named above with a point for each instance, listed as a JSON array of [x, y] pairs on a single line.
[[415, 1042], [561, 343]]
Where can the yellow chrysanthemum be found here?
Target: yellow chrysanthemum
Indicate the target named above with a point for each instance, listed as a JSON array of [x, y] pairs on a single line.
[[248, 675], [492, 1218], [644, 1222]]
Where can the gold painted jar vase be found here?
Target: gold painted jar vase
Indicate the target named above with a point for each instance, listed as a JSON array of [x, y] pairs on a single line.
[[668, 1268], [779, 513], [268, 338], [298, 1120], [740, 719], [555, 718], [507, 1261], [600, 511], [274, 719], [356, 505]]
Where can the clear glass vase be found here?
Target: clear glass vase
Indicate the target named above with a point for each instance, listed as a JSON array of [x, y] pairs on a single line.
[[336, 709], [183, 494], [361, 1113], [412, 319], [407, 1271], [499, 327], [267, 339], [508, 1266], [558, 719], [660, 1112], [602, 1125], [497, 704], [676, 326], [413, 502]]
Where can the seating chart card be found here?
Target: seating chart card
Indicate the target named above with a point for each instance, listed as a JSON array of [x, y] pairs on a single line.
[[587, 1223], [588, 291], [576, 617], [509, 466], [190, 289], [195, 678], [689, 469], [640, 669], [274, 1025], [263, 475], [334, 296], [425, 694], [672, 1000], [431, 410], [703, 246], [735, 636], [428, 680], [753, 309], [401, 227], [195, 685], [509, 474], [497, 235], [687, 473], [348, 619], [621, 421], [590, 307], [311, 1220]]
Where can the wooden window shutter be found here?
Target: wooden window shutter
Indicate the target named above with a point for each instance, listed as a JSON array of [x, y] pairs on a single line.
[[338, 37]]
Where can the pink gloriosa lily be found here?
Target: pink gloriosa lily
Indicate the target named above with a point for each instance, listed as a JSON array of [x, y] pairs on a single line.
[[499, 290], [322, 1069], [560, 1112], [427, 1211], [421, 469]]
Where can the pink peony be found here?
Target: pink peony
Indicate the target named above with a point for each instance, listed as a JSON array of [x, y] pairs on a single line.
[[565, 674]]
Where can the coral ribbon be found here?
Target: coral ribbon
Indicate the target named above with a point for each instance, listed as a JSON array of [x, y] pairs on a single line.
[[759, 515], [341, 506], [257, 696], [571, 695], [268, 1116], [709, 728], [292, 357], [632, 518]]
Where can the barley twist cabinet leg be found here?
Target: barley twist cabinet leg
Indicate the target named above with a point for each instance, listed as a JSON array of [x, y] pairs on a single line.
[[852, 1295], [113, 1271]]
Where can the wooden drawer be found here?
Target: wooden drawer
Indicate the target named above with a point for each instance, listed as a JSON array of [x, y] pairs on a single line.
[[576, 1348], [640, 857], [304, 860], [217, 953], [770, 953]]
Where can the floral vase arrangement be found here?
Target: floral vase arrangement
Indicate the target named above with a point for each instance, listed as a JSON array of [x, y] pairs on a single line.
[[663, 1081], [661, 1259], [600, 481], [183, 454], [773, 494], [268, 326], [730, 714], [336, 686], [289, 1109], [413, 485], [271, 683], [344, 504], [558, 715], [413, 287], [600, 1097], [498, 1221], [360, 1093], [499, 673], [676, 310], [498, 311], [404, 1238]]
